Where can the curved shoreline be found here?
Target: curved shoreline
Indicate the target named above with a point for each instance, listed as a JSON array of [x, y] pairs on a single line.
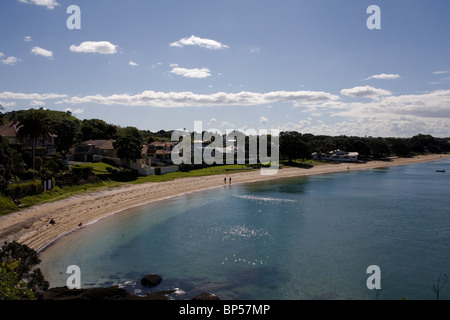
[[31, 225]]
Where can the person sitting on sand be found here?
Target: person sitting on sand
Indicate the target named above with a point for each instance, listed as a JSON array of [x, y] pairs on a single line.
[[52, 222]]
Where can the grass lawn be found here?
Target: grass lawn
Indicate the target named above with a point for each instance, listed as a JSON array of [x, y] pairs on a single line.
[[98, 167], [232, 168]]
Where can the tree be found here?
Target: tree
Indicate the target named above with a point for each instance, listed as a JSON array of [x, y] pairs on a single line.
[[19, 275], [379, 147], [10, 163], [293, 147], [129, 148], [33, 125], [95, 129], [11, 286], [399, 146], [422, 143], [131, 131], [66, 132], [442, 281]]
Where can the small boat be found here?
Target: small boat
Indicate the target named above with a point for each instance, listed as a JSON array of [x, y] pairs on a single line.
[[440, 170]]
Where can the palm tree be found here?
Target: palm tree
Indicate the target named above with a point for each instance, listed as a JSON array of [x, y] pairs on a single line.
[[33, 125]]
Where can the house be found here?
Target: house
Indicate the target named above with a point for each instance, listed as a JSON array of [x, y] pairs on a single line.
[[44, 147], [94, 150], [337, 155], [158, 151]]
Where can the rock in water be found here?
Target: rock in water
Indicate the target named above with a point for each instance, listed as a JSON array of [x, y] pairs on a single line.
[[206, 296], [151, 280]]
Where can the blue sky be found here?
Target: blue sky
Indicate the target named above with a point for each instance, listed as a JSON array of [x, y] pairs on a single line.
[[312, 66]]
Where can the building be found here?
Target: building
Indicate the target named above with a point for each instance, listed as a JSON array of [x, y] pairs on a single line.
[[158, 152], [337, 155], [94, 150], [44, 147]]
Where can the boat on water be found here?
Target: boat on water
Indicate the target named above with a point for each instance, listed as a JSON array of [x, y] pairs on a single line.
[[440, 170]]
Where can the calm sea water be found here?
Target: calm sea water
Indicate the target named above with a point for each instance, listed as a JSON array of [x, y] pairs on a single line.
[[291, 239]]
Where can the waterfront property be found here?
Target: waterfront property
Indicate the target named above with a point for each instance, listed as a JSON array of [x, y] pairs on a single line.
[[44, 147], [92, 150], [336, 155]]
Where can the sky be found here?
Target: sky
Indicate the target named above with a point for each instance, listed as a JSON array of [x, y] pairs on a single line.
[[312, 66]]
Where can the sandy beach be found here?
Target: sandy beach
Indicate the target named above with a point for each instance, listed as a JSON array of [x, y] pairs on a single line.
[[31, 225]]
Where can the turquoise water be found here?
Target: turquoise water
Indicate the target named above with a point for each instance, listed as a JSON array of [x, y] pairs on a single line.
[[299, 238]]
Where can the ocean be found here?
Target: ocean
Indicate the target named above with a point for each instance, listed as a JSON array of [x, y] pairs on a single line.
[[303, 238]]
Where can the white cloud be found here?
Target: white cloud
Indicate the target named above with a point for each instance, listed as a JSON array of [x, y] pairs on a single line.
[[76, 111], [200, 42], [49, 4], [403, 115], [441, 72], [226, 124], [7, 104], [30, 96], [27, 38], [42, 52], [9, 60], [37, 103], [263, 120], [365, 92], [384, 76], [189, 99], [133, 64], [102, 47], [156, 65], [192, 73]]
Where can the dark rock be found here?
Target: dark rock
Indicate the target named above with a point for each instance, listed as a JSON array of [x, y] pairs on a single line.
[[151, 280], [111, 293], [64, 293], [206, 296]]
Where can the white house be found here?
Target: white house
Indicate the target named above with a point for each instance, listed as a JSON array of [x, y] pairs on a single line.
[[337, 155]]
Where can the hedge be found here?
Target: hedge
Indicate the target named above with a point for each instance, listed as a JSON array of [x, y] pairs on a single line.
[[20, 190]]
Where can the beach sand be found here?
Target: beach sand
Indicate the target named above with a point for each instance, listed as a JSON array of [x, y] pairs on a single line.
[[31, 226]]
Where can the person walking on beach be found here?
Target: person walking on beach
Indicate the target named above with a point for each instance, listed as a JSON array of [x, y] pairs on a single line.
[[230, 180], [225, 180]]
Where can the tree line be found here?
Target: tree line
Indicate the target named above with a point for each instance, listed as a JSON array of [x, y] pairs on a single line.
[[18, 162], [295, 145]]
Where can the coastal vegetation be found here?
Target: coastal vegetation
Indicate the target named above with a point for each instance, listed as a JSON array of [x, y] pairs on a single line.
[[24, 167], [19, 277]]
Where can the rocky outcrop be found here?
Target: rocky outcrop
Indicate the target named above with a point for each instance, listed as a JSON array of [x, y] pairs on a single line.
[[206, 296], [111, 293], [151, 280], [117, 293]]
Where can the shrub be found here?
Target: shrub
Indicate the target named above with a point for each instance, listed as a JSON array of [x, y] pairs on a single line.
[[83, 172], [20, 190], [7, 205], [18, 263]]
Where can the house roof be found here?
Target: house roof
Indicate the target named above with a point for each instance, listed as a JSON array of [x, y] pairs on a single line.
[[100, 144], [9, 129], [159, 152]]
